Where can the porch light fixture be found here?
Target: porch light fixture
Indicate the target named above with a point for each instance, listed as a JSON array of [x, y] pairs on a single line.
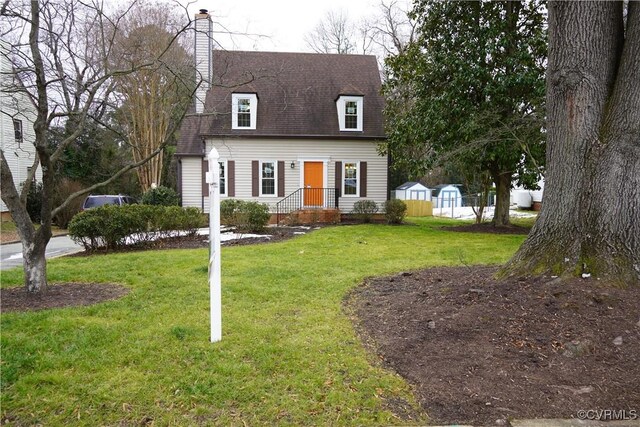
[[293, 165]]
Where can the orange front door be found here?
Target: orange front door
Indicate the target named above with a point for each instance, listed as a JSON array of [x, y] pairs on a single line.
[[313, 183]]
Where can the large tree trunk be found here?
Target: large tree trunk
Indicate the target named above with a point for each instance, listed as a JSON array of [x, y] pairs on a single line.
[[503, 190], [34, 242], [35, 264], [590, 218]]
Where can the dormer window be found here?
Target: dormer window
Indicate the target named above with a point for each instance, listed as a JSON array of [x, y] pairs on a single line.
[[244, 107], [350, 113]]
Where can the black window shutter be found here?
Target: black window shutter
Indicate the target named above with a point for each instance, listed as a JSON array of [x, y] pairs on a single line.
[[231, 178], [205, 186], [255, 178], [280, 179], [338, 183], [363, 179]]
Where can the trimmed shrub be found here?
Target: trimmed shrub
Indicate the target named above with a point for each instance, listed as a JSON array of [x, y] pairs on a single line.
[[229, 210], [175, 218], [363, 210], [253, 217], [112, 226], [245, 216], [161, 196], [395, 211]]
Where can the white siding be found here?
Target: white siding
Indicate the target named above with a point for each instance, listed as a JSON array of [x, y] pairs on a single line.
[[19, 156], [244, 151], [192, 182]]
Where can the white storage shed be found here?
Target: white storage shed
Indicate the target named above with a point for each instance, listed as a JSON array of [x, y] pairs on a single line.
[[413, 191], [446, 196]]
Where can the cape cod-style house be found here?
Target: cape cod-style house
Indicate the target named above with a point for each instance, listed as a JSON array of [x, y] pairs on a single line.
[[296, 131]]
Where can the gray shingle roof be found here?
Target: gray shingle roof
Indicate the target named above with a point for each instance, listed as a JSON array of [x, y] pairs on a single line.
[[296, 96]]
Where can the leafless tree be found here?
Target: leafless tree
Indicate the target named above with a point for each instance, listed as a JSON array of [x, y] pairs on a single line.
[[153, 99], [391, 29], [385, 32], [333, 34], [61, 55]]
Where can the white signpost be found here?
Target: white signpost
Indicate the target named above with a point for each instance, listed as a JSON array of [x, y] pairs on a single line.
[[215, 285]]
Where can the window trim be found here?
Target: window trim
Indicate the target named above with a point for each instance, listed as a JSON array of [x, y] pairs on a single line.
[[344, 178], [275, 178], [253, 110], [341, 105]]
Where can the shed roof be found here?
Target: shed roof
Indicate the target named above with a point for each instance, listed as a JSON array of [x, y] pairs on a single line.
[[438, 188], [410, 184], [297, 95]]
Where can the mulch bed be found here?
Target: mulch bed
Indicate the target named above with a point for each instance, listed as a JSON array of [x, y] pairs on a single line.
[[478, 350], [59, 295]]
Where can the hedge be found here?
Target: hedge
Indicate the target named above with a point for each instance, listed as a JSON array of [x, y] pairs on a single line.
[[245, 216], [112, 226]]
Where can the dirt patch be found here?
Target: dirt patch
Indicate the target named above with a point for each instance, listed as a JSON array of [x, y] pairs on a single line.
[[59, 295], [478, 350], [487, 227]]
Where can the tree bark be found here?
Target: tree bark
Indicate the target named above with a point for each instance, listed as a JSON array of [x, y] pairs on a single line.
[[503, 189], [35, 264], [590, 218]]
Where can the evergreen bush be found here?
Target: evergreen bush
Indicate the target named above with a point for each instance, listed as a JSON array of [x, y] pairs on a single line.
[[34, 202], [161, 196], [245, 216], [363, 210], [395, 211]]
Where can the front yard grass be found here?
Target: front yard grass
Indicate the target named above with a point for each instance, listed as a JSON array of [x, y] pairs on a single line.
[[289, 353]]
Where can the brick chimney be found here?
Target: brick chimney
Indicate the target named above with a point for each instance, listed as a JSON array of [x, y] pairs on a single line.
[[202, 53]]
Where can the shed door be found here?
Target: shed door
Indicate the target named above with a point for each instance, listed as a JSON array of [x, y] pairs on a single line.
[[449, 199], [313, 183]]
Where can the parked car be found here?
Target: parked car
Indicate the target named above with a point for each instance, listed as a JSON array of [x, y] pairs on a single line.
[[94, 201]]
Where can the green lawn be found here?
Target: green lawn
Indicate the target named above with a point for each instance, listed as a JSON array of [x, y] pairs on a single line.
[[289, 353]]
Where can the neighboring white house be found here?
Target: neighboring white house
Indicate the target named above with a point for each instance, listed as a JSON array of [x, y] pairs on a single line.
[[17, 115], [446, 196], [297, 126], [413, 191]]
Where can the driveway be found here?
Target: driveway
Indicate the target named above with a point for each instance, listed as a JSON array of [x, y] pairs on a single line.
[[11, 253]]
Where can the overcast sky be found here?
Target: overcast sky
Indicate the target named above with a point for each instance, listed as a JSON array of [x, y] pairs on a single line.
[[276, 25]]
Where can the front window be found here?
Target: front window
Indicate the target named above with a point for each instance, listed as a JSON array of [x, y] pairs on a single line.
[[17, 129], [223, 176], [244, 111], [268, 178], [350, 184]]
